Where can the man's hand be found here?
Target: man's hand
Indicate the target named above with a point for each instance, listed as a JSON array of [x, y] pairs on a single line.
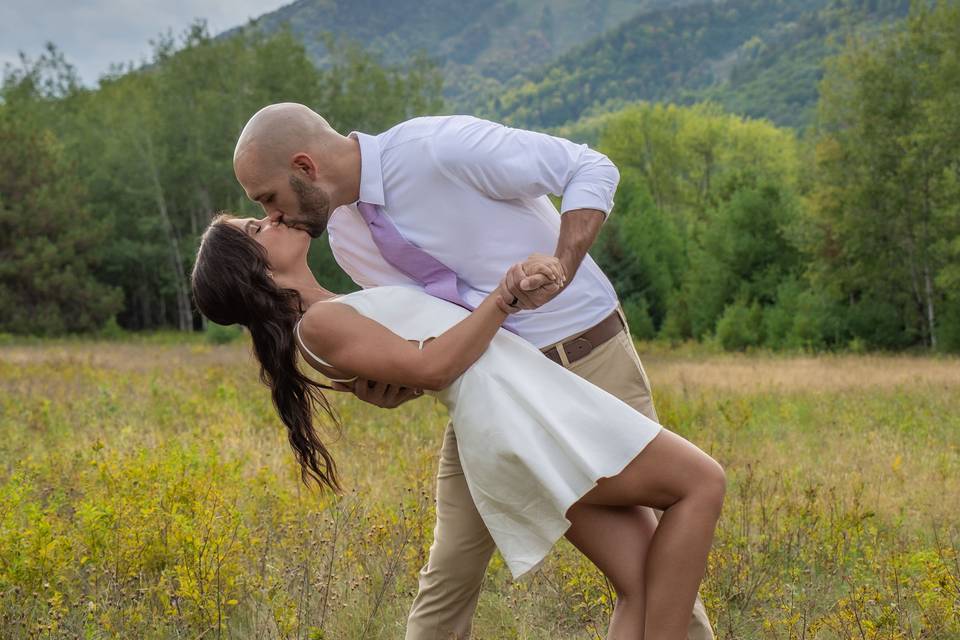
[[535, 281], [380, 394]]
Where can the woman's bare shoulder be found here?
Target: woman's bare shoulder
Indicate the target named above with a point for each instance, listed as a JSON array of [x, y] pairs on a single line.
[[323, 320], [318, 331]]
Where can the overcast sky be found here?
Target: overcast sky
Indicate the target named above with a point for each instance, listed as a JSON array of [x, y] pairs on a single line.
[[94, 33]]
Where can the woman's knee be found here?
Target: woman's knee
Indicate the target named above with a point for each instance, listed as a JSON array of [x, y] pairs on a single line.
[[702, 477], [712, 484]]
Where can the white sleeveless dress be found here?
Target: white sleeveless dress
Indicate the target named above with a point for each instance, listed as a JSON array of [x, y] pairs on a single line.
[[533, 437]]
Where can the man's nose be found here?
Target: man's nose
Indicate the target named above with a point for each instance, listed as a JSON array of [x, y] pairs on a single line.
[[274, 215]]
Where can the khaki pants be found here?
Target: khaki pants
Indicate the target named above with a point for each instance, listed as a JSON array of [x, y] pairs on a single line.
[[450, 581]]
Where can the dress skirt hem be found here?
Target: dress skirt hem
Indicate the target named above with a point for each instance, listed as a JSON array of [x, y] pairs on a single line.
[[522, 570]]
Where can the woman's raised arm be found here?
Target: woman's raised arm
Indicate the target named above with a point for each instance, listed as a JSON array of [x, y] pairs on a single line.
[[357, 345]]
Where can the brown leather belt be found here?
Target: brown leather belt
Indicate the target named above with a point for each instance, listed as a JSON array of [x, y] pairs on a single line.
[[581, 345]]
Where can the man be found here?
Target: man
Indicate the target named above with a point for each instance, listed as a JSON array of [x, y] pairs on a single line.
[[472, 194]]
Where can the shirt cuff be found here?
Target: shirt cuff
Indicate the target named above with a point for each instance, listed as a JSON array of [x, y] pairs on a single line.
[[586, 196]]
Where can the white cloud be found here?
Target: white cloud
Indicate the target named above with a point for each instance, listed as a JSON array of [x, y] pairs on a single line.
[[92, 35]]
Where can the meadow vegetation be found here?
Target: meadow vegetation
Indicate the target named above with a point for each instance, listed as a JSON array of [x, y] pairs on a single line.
[[147, 491]]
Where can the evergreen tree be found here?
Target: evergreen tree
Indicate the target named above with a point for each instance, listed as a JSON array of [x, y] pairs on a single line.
[[50, 240]]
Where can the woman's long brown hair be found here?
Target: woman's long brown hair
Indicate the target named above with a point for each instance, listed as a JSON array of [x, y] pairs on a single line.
[[231, 286]]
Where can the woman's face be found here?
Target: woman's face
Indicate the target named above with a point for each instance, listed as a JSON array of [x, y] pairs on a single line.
[[286, 247]]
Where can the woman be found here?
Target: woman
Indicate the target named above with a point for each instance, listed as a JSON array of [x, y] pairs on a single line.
[[543, 450]]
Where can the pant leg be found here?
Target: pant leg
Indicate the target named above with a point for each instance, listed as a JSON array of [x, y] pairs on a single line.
[[450, 580], [615, 367]]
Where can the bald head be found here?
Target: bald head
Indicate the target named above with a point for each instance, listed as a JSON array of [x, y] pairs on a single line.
[[276, 133], [296, 166]]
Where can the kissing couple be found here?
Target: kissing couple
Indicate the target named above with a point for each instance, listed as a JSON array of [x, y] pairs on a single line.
[[475, 291]]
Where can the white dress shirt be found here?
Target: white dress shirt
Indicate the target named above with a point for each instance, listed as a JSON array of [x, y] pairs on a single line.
[[472, 193]]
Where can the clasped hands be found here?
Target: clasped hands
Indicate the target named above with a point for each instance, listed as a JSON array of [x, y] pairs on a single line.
[[527, 285], [531, 283]]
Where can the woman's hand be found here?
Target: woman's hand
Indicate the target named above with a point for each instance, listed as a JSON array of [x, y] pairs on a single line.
[[504, 297], [380, 394], [538, 272], [549, 266], [535, 281]]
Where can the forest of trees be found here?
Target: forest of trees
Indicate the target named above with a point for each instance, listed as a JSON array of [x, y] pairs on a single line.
[[736, 230], [725, 228], [104, 192]]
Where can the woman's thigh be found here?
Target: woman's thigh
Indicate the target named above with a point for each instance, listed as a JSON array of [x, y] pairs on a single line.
[[668, 469]]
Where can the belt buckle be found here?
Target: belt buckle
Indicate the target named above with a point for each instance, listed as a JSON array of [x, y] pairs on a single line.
[[577, 348]]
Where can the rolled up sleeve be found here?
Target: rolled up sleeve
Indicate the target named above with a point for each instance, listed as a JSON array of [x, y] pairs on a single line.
[[506, 163]]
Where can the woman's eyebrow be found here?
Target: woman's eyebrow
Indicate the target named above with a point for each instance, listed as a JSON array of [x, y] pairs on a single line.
[[246, 227]]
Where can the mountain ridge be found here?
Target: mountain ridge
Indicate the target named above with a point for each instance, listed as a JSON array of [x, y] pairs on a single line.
[[546, 64], [480, 46], [722, 51]]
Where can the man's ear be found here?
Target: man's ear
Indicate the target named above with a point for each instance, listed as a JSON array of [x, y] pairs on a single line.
[[303, 164]]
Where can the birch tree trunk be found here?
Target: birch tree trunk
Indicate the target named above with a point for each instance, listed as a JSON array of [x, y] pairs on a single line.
[[184, 312]]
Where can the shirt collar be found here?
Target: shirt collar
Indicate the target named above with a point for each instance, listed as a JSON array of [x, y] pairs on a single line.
[[371, 175]]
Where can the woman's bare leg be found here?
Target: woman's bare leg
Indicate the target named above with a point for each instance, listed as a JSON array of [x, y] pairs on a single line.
[[675, 476], [615, 539]]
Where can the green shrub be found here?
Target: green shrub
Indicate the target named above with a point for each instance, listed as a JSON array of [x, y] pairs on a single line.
[[638, 316], [739, 326], [112, 331], [801, 318]]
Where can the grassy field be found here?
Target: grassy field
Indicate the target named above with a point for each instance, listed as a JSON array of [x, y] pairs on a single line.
[[148, 491]]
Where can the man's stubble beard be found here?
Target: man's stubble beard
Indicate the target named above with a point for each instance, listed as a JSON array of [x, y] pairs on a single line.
[[314, 207]]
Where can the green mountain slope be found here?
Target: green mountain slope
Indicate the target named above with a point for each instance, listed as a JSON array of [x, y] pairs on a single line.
[[480, 45], [549, 63], [775, 74], [757, 57]]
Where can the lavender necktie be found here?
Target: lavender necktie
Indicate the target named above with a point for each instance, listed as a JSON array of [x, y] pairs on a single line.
[[437, 279]]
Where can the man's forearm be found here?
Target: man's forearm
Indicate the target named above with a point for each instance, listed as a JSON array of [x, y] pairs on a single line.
[[578, 231]]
